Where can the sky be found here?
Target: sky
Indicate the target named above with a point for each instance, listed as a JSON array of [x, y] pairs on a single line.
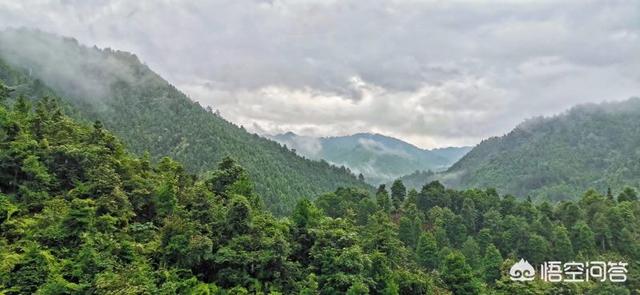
[[433, 73]]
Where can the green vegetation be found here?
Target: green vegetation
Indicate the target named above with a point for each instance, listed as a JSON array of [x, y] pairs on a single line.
[[380, 159], [150, 115], [417, 179], [469, 239], [557, 158], [81, 215]]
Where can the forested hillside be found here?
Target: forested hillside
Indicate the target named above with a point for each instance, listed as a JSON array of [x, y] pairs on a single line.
[[557, 158], [81, 215], [379, 158], [150, 115]]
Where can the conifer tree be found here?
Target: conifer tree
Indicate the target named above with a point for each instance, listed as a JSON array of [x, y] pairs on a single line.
[[562, 247], [398, 193], [492, 264], [427, 251], [458, 275]]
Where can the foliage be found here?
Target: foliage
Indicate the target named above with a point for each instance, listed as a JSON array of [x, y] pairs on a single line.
[[80, 214], [151, 115], [557, 158], [379, 158], [470, 257]]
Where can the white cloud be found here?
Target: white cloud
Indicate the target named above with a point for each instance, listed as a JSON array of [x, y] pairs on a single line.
[[434, 73], [452, 109]]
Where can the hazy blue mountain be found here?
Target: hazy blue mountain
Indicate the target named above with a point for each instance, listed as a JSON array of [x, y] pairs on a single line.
[[556, 158], [379, 158], [151, 115], [417, 179]]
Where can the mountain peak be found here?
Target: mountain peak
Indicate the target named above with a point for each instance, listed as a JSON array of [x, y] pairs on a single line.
[[557, 158], [379, 157], [151, 115]]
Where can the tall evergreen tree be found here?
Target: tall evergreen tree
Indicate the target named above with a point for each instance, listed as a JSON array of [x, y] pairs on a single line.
[[562, 247], [601, 231], [583, 239], [408, 231], [382, 199], [456, 231], [471, 252], [458, 275], [427, 251], [536, 249], [492, 264], [469, 214], [398, 193]]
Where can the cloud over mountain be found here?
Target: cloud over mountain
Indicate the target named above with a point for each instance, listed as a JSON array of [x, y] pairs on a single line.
[[431, 72]]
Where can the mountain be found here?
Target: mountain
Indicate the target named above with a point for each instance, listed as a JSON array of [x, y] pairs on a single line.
[[379, 158], [417, 179], [79, 214], [556, 158], [151, 115]]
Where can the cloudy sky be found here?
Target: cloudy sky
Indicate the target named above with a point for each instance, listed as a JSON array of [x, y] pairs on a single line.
[[434, 73]]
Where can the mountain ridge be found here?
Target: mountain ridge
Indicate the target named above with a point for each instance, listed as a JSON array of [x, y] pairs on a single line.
[[378, 157], [151, 115], [554, 158]]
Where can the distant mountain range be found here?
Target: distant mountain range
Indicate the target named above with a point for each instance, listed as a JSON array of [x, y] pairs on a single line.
[[554, 158], [557, 158], [379, 158]]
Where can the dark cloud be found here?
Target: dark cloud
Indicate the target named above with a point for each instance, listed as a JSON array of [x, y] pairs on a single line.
[[432, 72]]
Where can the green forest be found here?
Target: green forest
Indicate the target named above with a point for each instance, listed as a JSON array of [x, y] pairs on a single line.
[[151, 115], [379, 158], [557, 158], [80, 214]]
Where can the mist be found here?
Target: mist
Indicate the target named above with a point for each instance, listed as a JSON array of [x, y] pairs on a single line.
[[433, 73], [80, 73]]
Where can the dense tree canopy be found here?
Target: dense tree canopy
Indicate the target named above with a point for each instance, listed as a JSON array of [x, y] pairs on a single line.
[[557, 158], [80, 214], [469, 239]]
